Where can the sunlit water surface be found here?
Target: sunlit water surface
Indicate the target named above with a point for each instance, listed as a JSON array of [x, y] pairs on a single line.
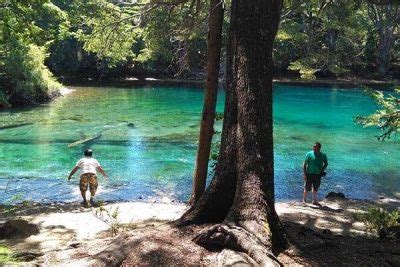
[[155, 158]]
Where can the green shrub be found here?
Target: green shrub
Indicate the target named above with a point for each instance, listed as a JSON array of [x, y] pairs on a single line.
[[30, 79], [6, 255], [376, 218]]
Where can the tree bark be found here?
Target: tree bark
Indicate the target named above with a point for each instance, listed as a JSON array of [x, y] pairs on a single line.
[[210, 99], [242, 190]]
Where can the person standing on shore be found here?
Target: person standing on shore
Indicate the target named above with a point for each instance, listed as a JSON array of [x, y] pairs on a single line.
[[88, 166], [314, 167]]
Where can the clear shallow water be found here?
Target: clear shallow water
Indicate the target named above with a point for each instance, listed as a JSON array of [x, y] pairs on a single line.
[[156, 157]]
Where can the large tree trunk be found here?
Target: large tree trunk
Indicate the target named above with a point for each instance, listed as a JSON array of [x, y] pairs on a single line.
[[242, 190], [210, 98]]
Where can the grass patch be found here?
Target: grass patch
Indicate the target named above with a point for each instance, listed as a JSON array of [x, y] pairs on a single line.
[[376, 218], [109, 216], [7, 255]]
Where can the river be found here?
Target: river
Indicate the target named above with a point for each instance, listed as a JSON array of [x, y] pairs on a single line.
[[147, 143]]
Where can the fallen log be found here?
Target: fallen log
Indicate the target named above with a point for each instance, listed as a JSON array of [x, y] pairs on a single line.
[[82, 141], [3, 127]]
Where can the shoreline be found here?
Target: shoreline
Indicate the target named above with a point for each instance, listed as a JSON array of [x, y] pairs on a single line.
[[70, 234], [149, 81], [134, 82], [28, 207]]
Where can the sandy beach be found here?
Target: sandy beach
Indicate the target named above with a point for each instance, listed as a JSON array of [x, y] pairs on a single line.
[[72, 235]]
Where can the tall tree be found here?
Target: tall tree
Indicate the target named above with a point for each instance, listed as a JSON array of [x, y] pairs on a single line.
[[210, 98], [386, 20], [241, 193]]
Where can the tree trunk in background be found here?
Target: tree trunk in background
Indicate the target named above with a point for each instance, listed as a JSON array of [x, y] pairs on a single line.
[[242, 190], [210, 99], [386, 20], [385, 44]]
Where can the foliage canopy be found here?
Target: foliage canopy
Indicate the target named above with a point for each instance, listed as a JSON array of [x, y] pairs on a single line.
[[97, 38]]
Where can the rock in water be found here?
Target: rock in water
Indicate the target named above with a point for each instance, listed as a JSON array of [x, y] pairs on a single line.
[[131, 125], [335, 195], [18, 229]]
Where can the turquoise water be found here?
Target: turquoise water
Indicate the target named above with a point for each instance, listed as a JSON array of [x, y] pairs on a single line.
[[155, 158]]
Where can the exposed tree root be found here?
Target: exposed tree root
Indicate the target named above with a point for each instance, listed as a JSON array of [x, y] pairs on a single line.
[[239, 239], [186, 219], [118, 251]]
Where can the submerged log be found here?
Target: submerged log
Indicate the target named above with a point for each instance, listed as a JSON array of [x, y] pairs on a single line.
[[83, 141], [3, 127]]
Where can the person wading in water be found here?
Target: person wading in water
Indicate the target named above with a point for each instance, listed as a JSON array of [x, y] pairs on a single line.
[[88, 166]]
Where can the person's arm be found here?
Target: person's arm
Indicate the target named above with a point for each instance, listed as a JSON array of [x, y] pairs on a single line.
[[102, 171], [304, 170], [325, 163], [73, 172]]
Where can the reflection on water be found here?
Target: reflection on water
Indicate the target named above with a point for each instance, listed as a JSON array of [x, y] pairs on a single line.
[[148, 143]]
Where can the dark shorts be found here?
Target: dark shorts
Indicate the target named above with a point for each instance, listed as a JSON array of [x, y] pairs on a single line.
[[313, 180], [88, 180]]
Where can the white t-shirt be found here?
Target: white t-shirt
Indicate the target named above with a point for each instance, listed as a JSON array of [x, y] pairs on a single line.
[[88, 165]]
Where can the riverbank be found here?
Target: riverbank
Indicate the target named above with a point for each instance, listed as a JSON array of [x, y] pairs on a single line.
[[70, 234], [141, 81], [199, 83]]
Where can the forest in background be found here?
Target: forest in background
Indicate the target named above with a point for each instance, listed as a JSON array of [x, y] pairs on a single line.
[[43, 42]]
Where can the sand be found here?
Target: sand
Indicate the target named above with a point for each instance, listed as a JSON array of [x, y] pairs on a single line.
[[71, 235]]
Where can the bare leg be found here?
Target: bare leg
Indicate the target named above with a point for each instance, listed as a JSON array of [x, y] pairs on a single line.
[[315, 199], [93, 189], [83, 193], [91, 198], [305, 196]]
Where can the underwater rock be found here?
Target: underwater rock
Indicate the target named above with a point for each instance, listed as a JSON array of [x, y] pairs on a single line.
[[131, 125]]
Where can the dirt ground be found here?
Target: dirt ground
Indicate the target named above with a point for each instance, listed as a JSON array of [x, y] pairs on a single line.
[[71, 235]]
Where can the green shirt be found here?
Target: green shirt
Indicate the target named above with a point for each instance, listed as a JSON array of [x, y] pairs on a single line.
[[315, 162]]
